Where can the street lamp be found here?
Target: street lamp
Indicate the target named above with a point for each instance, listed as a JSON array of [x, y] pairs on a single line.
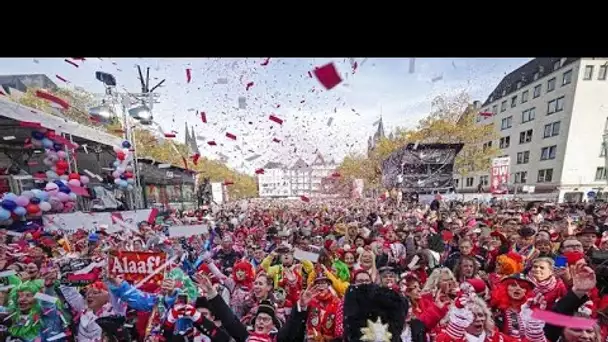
[[103, 112], [141, 114]]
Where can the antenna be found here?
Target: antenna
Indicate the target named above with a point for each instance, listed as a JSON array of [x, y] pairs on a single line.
[[147, 79], [141, 80], [158, 85]]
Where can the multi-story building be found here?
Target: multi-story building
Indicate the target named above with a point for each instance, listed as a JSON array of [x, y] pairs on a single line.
[[301, 179], [550, 115]]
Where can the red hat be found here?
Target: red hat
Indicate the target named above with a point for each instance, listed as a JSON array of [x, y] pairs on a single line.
[[478, 285]]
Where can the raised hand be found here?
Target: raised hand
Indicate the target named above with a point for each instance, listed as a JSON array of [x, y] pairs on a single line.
[[583, 279]]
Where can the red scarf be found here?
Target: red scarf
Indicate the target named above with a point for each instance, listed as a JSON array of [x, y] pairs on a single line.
[[255, 337]]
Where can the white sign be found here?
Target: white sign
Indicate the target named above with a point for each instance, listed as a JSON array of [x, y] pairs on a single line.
[[217, 192], [187, 231], [71, 222]]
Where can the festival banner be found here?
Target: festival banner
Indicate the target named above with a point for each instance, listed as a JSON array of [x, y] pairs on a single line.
[[136, 266], [499, 178]]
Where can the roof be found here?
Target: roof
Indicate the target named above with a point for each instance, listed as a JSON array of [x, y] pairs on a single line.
[[299, 164], [22, 82], [273, 165], [319, 160], [525, 75]]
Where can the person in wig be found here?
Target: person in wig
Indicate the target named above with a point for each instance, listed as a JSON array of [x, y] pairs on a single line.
[[507, 299], [506, 265], [240, 283]]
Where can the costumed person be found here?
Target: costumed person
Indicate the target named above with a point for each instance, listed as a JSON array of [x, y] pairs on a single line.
[[322, 311], [507, 299], [240, 284], [339, 277], [286, 274], [506, 265], [367, 262], [378, 314], [32, 319]]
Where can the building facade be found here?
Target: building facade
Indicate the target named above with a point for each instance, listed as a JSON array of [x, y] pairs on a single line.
[[550, 115], [299, 179]]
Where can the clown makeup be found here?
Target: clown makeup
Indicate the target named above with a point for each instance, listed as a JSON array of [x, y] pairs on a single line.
[[240, 275], [516, 291]]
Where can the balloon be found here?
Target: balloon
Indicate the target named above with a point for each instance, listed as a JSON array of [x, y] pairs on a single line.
[[74, 182], [128, 174], [42, 196], [65, 189], [130, 188], [58, 206], [64, 177], [47, 143], [129, 168], [50, 134], [73, 196], [38, 213], [22, 201], [123, 184], [131, 181], [31, 209], [45, 206], [47, 162], [115, 164], [62, 164], [126, 144], [84, 180], [74, 175], [4, 214], [8, 204], [28, 194], [61, 154], [57, 147], [19, 211], [115, 174], [10, 196], [117, 181], [37, 135], [120, 170], [63, 197], [120, 155], [51, 188], [35, 200]]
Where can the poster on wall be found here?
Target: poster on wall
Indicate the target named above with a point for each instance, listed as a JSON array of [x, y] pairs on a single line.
[[499, 178], [217, 191]]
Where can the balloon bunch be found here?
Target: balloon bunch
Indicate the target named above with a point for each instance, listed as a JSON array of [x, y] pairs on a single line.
[[30, 202], [123, 167]]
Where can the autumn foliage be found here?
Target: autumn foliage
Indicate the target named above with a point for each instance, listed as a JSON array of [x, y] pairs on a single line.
[[148, 144], [452, 120]]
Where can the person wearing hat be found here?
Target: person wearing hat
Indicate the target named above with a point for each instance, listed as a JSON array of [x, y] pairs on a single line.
[[388, 277], [286, 274], [588, 237], [525, 244], [507, 299], [546, 282], [323, 310]]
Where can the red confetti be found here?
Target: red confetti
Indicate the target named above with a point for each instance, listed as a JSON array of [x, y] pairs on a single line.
[[62, 79], [278, 106], [50, 97], [486, 114], [265, 62], [2, 93], [259, 171], [70, 62], [328, 76], [195, 158], [228, 182], [211, 143], [249, 85], [170, 135], [275, 119], [304, 198], [276, 140], [230, 136], [336, 175], [204, 117], [188, 75]]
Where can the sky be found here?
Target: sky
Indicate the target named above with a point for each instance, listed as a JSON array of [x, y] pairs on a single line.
[[282, 87]]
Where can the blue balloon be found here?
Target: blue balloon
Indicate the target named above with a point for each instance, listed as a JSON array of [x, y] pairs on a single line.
[[65, 189], [47, 143], [126, 144], [58, 182], [123, 184], [19, 211], [10, 196], [37, 192], [35, 200], [4, 214], [8, 204], [37, 135], [57, 147], [42, 196]]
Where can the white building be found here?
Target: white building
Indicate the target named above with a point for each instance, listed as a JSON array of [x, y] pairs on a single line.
[[550, 116], [275, 181], [301, 179]]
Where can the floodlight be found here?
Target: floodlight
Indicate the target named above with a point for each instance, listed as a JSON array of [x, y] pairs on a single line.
[[103, 112]]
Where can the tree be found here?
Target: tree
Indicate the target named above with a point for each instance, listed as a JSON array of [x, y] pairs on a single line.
[[452, 120]]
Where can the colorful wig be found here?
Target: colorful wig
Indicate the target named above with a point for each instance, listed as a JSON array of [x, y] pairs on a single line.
[[342, 271], [31, 330], [510, 263], [500, 297], [249, 272]]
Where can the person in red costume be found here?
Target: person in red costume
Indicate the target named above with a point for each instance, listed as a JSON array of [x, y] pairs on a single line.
[[507, 299], [240, 284], [547, 284], [322, 311]]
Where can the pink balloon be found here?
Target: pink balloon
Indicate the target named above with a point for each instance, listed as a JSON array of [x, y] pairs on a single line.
[[115, 174], [74, 182], [84, 180], [22, 201], [63, 197], [61, 154], [51, 188]]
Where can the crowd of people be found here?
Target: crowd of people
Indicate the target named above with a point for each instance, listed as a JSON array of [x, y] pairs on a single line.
[[332, 270]]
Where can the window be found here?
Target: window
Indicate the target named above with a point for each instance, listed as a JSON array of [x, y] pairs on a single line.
[[600, 174], [528, 115], [503, 106], [523, 157], [524, 96], [518, 84], [556, 65], [487, 145], [513, 101], [536, 75], [495, 109], [551, 85], [551, 130], [456, 181], [548, 153], [506, 123], [545, 176], [555, 106], [521, 177], [484, 180], [469, 182], [603, 150], [588, 72], [505, 142], [567, 78], [525, 137], [602, 73], [537, 91]]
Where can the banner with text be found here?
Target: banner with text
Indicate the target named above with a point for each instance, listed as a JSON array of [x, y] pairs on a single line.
[[136, 266], [499, 178]]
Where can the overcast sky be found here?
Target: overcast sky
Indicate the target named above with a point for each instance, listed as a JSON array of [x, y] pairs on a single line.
[[283, 88]]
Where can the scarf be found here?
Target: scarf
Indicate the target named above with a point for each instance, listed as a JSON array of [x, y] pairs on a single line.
[[512, 323], [256, 337], [470, 338], [544, 286]]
